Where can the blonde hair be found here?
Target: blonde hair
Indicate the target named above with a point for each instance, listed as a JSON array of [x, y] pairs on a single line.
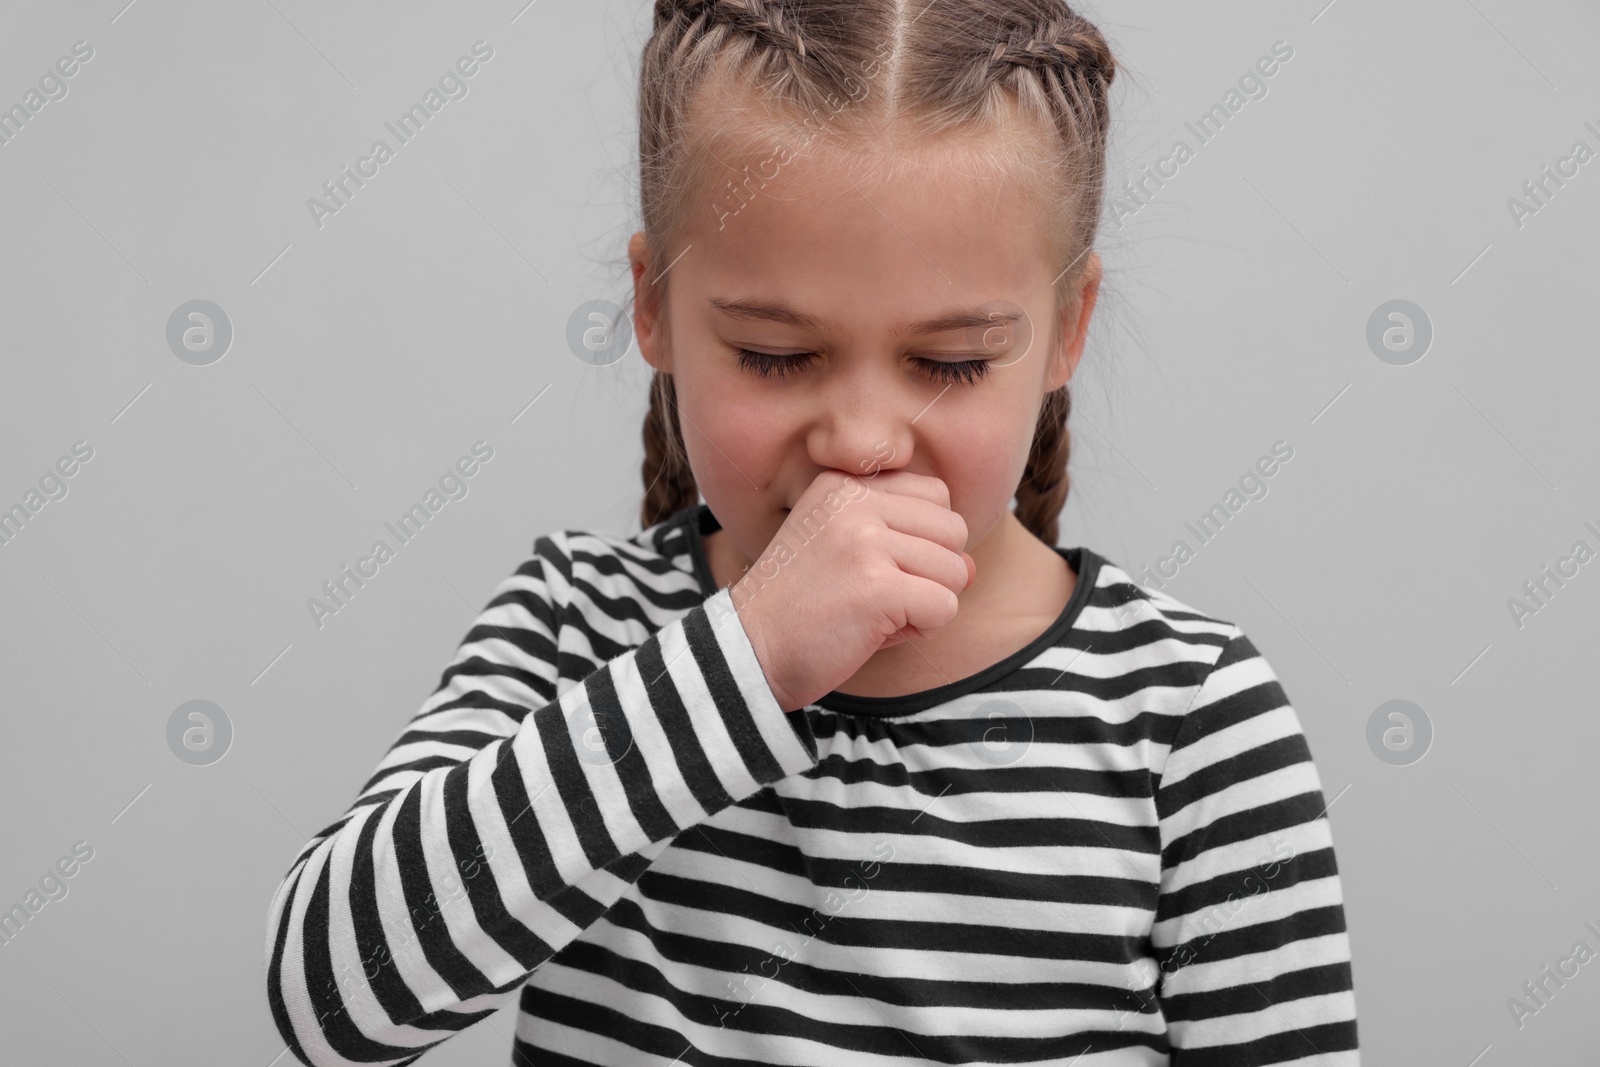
[[915, 67]]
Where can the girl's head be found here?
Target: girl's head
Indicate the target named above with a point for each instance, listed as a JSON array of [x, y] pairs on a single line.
[[887, 206]]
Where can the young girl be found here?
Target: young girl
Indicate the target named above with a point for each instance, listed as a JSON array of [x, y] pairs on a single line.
[[847, 763]]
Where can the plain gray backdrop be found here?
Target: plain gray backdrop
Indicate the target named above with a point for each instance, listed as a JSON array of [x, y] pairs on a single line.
[[369, 352]]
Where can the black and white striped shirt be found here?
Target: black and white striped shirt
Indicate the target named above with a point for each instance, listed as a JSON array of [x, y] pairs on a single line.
[[1110, 848]]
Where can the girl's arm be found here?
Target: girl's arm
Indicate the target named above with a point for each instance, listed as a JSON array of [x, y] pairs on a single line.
[[506, 819], [1250, 931]]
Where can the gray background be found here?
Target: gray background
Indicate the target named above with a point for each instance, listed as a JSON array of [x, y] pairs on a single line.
[[429, 313]]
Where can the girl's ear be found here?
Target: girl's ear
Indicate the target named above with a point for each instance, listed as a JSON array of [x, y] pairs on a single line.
[[646, 305], [1075, 329]]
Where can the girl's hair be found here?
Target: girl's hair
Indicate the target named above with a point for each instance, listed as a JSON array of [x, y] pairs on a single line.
[[796, 71]]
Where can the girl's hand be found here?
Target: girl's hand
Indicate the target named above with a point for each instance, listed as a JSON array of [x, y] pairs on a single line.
[[856, 567]]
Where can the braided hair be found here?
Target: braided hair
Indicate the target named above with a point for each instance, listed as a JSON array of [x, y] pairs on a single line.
[[937, 65]]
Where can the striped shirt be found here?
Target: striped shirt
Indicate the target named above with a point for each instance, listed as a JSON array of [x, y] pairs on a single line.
[[1110, 848]]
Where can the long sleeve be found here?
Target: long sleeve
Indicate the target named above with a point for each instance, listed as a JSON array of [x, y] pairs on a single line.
[[1250, 928], [508, 817]]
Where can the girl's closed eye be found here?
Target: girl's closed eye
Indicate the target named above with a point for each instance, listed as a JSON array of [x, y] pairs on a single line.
[[768, 364]]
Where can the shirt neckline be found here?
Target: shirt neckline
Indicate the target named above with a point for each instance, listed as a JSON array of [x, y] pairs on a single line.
[[697, 522]]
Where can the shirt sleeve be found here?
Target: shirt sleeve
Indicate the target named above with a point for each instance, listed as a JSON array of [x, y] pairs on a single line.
[[1250, 928], [507, 818]]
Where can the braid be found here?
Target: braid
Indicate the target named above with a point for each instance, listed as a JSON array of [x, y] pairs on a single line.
[[762, 20], [1057, 47], [669, 483], [1073, 65], [1043, 491]]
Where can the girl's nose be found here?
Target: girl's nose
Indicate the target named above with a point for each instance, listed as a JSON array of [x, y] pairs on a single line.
[[862, 441]]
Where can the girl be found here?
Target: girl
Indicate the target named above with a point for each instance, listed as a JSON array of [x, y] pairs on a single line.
[[846, 763]]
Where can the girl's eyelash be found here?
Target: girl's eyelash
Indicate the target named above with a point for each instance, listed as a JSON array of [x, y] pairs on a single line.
[[966, 371]]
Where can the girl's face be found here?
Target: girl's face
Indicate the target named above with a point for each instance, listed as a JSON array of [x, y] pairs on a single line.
[[907, 323]]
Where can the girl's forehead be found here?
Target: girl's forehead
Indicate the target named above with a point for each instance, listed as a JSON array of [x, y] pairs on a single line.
[[954, 217]]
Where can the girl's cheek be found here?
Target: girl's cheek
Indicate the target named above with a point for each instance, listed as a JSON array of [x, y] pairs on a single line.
[[751, 430]]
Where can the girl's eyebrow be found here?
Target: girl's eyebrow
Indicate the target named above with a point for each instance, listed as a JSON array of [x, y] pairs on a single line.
[[773, 311]]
